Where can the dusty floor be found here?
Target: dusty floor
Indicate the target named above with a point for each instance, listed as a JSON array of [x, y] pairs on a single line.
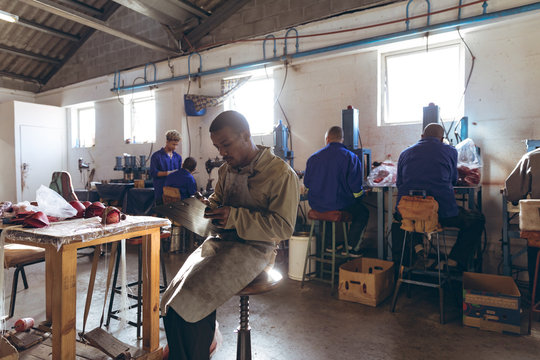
[[309, 323]]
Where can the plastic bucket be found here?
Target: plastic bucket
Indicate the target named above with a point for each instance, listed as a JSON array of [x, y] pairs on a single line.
[[297, 255]]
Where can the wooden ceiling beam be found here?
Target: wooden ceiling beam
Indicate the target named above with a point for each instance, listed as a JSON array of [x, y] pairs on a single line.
[[19, 77], [47, 30], [59, 10], [28, 54]]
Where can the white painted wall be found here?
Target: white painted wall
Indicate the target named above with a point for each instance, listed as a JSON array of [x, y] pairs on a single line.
[[8, 185], [14, 115], [502, 99]]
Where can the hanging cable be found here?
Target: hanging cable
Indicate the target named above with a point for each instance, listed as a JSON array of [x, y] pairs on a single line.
[[187, 120]]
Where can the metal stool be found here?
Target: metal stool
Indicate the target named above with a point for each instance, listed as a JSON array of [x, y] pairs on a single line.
[[117, 289], [410, 270], [333, 217], [533, 240], [265, 282]]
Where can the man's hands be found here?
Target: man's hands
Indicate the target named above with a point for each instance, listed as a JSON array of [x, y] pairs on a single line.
[[218, 215]]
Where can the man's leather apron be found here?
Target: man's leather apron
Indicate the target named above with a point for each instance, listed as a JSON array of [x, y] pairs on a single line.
[[221, 266]]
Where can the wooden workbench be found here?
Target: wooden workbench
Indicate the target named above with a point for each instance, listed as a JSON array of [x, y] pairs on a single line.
[[61, 241]]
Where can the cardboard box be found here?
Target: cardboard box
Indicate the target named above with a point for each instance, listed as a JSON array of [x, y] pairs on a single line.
[[366, 281], [529, 215], [491, 302]]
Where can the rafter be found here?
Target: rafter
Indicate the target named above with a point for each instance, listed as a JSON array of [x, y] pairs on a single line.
[[47, 30], [19, 77], [100, 25], [82, 7], [189, 7], [28, 54], [227, 9]]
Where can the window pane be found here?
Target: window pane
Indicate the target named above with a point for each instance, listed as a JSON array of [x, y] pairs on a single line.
[[140, 120], [415, 79], [255, 100], [87, 127]]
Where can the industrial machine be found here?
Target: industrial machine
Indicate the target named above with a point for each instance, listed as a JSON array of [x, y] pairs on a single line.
[[352, 139], [210, 165], [130, 168], [281, 139]]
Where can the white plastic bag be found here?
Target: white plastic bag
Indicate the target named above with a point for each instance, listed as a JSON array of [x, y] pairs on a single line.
[[52, 204], [469, 164], [383, 175]]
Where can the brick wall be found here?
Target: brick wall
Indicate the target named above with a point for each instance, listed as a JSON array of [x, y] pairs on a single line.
[[104, 54]]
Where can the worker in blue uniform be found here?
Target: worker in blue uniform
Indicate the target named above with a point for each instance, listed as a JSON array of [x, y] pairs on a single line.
[[431, 165], [183, 179], [334, 177], [165, 162]]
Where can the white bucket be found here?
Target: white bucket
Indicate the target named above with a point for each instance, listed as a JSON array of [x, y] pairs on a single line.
[[297, 255]]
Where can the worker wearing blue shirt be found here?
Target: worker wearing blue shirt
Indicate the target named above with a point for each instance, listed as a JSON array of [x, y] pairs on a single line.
[[334, 177], [431, 165], [165, 162], [183, 180]]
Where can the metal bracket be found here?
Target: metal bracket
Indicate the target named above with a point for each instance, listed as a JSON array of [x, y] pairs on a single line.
[[155, 71], [264, 45], [407, 12], [285, 45], [189, 63], [116, 81]]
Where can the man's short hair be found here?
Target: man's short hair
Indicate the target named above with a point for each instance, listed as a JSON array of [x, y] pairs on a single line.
[[189, 164], [433, 130], [335, 133], [233, 119], [172, 135]]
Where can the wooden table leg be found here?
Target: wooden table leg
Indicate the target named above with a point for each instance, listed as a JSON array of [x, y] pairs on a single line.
[[151, 245], [64, 298], [49, 276]]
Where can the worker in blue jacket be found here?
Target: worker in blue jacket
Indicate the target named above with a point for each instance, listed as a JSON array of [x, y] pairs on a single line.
[[334, 177], [183, 179], [165, 162]]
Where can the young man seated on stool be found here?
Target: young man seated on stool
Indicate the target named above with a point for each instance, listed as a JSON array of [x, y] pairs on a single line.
[[183, 179], [431, 165], [334, 177], [255, 202], [523, 181]]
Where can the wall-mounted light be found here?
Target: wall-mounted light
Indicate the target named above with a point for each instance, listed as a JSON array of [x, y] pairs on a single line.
[[8, 17]]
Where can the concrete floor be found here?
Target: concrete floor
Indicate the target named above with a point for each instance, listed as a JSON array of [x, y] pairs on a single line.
[[309, 323]]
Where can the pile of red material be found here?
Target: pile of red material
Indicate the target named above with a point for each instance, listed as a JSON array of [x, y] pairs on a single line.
[[468, 176]]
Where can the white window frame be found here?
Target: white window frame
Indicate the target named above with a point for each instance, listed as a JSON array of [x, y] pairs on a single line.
[[261, 108], [130, 130], [83, 138], [447, 112]]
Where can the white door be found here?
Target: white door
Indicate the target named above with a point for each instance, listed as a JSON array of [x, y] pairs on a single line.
[[41, 155]]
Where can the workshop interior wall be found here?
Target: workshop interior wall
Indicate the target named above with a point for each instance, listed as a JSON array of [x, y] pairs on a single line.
[[501, 102]]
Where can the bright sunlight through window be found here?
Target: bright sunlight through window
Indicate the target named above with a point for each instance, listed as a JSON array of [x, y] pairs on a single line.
[[416, 78], [255, 100], [83, 127], [140, 118]]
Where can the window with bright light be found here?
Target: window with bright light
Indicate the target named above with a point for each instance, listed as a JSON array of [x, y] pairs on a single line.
[[255, 100], [140, 118], [83, 127], [413, 79]]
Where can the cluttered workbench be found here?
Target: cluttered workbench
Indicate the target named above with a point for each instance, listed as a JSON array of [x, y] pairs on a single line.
[[61, 240]]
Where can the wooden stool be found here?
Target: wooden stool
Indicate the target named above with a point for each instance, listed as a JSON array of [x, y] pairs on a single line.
[[333, 217], [117, 289], [533, 240], [19, 256], [410, 270], [265, 282]]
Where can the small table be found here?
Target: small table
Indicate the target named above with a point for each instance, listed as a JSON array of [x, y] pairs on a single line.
[[61, 241]]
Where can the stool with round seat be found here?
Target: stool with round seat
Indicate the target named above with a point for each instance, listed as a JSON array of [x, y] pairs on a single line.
[[138, 297], [265, 282], [533, 240], [321, 256]]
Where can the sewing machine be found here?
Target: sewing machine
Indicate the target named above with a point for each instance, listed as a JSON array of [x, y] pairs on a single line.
[[210, 165]]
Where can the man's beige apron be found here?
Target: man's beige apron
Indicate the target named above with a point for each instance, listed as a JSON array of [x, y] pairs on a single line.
[[219, 268]]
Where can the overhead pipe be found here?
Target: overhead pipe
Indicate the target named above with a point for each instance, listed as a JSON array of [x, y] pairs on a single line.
[[443, 27]]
